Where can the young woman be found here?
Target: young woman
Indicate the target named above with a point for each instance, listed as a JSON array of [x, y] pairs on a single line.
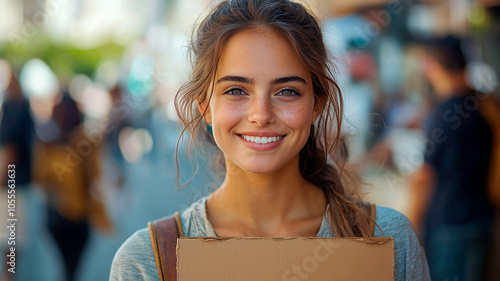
[[262, 82]]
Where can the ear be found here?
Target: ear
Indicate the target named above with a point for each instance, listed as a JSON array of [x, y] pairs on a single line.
[[204, 109], [319, 105]]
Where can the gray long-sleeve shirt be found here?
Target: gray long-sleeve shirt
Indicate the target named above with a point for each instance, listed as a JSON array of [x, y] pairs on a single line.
[[135, 259]]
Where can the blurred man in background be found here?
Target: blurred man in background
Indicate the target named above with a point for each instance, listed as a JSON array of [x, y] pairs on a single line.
[[450, 202]]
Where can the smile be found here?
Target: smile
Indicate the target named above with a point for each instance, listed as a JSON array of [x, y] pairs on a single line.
[[262, 140]]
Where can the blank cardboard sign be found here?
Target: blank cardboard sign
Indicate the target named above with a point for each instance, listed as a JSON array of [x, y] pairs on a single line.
[[293, 259]]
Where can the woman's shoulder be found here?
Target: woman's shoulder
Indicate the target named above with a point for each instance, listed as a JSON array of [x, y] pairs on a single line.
[[135, 260], [391, 221], [409, 256]]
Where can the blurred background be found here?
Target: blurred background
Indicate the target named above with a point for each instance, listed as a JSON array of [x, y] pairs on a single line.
[[86, 90]]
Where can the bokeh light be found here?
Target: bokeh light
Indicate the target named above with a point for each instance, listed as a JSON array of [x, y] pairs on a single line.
[[38, 80], [96, 101], [78, 85], [141, 77], [135, 143], [482, 77]]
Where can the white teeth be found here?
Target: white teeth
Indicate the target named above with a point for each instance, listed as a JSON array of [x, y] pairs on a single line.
[[262, 140]]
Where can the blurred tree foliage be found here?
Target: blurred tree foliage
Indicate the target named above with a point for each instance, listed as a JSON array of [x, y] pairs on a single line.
[[63, 58]]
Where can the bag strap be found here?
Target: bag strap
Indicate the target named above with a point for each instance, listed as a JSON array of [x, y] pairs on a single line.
[[164, 233], [372, 211]]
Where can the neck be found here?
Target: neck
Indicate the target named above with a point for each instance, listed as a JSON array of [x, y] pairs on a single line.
[[452, 85], [270, 199]]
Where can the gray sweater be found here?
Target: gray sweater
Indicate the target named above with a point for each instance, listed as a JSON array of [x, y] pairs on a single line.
[[135, 259]]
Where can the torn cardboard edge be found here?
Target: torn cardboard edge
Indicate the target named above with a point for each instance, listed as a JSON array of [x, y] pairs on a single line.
[[295, 258], [375, 240]]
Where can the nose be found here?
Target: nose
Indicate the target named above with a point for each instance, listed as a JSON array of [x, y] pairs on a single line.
[[261, 111]]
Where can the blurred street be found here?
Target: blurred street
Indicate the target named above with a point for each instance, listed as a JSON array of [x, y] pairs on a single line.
[[148, 193]]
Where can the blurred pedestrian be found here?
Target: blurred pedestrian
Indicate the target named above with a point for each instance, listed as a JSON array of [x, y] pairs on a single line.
[[67, 167], [450, 202], [16, 140], [118, 119]]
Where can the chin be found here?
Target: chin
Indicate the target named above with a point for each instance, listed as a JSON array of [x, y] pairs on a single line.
[[260, 168]]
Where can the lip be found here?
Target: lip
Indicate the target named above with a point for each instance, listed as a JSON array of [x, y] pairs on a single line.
[[261, 146], [261, 134]]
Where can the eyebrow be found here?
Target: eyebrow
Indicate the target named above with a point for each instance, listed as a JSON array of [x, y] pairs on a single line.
[[288, 79], [246, 80], [236, 79]]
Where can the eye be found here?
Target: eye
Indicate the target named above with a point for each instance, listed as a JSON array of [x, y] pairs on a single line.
[[235, 92], [288, 93]]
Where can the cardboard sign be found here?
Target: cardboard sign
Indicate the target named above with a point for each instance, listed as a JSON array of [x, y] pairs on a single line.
[[292, 259]]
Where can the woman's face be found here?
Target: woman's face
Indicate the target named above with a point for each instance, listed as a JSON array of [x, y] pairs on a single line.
[[263, 103]]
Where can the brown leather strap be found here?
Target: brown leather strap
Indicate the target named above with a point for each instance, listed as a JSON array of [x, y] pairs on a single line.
[[178, 224], [164, 233], [154, 245], [373, 214]]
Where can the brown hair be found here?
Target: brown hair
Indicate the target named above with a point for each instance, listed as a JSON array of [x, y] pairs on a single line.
[[293, 22]]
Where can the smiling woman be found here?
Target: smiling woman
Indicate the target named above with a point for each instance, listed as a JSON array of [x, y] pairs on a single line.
[[262, 80]]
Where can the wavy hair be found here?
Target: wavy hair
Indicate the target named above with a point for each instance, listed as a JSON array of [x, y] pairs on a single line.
[[320, 161]]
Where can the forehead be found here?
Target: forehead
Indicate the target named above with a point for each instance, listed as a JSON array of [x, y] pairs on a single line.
[[260, 52]]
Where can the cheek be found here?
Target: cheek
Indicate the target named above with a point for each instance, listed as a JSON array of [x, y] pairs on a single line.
[[226, 115], [296, 116]]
